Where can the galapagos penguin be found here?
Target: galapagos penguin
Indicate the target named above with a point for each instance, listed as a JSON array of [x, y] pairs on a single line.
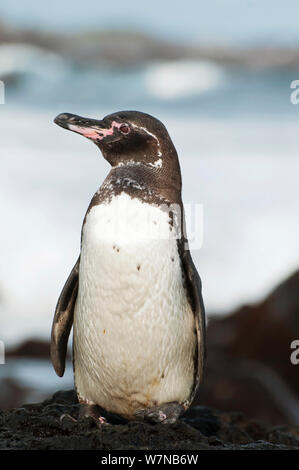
[[134, 295]]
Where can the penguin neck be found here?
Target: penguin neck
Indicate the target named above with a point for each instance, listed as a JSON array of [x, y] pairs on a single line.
[[142, 180]]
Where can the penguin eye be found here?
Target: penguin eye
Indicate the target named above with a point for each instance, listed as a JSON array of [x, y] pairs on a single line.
[[124, 129]]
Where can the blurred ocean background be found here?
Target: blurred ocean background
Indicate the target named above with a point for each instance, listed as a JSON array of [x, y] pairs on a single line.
[[218, 75]]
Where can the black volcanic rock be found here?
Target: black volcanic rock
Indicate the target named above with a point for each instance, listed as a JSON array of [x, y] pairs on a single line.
[[40, 427], [32, 348], [12, 392]]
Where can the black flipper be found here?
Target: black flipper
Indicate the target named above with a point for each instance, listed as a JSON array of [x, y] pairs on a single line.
[[193, 288], [63, 320]]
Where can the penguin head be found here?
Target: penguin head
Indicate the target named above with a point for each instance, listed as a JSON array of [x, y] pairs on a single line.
[[126, 138]]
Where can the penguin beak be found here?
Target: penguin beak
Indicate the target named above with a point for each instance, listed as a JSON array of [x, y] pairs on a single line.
[[91, 128]]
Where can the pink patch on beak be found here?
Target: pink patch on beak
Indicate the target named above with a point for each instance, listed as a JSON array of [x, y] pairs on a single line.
[[93, 132]]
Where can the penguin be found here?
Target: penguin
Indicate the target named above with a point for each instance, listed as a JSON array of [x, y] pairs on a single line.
[[134, 296]]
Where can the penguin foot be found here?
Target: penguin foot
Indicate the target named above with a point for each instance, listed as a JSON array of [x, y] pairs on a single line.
[[67, 416], [93, 411], [167, 413]]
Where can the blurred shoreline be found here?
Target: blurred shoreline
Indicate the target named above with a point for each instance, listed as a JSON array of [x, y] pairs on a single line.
[[123, 48]]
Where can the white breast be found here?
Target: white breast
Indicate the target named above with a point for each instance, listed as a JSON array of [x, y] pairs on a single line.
[[134, 337]]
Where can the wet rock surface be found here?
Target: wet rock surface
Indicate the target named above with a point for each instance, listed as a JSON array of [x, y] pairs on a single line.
[[41, 427]]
